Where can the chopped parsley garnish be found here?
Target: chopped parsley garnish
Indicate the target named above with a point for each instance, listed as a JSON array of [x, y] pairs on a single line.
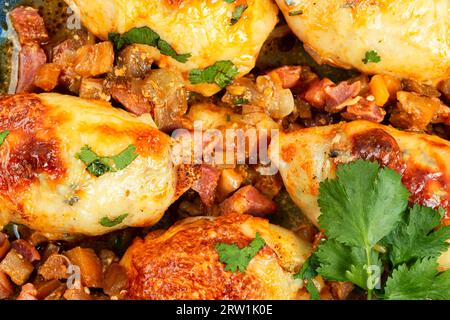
[[145, 35], [237, 13], [236, 258], [229, 1], [371, 56], [365, 208], [221, 73], [240, 101], [98, 166], [107, 222], [308, 272], [3, 136]]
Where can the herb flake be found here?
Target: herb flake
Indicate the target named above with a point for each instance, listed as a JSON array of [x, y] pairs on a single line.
[[145, 35], [221, 73], [371, 56], [237, 259], [107, 222]]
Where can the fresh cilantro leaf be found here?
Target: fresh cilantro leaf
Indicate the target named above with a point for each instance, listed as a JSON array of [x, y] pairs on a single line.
[[165, 48], [312, 290], [240, 101], [363, 205], [221, 73], [145, 35], [107, 222], [87, 155], [236, 258], [371, 56], [419, 282], [229, 1], [308, 270], [416, 237], [123, 159], [237, 13], [343, 263], [98, 166], [3, 136]]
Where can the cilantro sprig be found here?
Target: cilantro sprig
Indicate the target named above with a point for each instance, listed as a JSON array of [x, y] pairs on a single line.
[[365, 208], [145, 35], [308, 272], [98, 166], [236, 258], [221, 73], [371, 56]]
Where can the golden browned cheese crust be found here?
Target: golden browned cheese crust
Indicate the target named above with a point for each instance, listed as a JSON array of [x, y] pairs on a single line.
[[412, 38], [44, 186], [182, 262]]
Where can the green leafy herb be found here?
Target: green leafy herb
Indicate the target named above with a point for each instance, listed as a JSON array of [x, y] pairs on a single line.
[[229, 1], [165, 48], [240, 101], [419, 282], [98, 166], [237, 13], [123, 159], [371, 56], [371, 231], [107, 222], [221, 73], [236, 258], [312, 290], [308, 272], [343, 263], [3, 136], [145, 35], [295, 13], [416, 237], [363, 204]]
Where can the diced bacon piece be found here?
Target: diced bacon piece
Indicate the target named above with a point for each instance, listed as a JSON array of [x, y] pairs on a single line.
[[26, 250], [287, 76], [28, 292], [248, 200], [31, 58], [29, 25], [364, 110], [130, 96], [206, 184], [47, 76], [315, 95], [6, 287], [94, 60], [337, 95]]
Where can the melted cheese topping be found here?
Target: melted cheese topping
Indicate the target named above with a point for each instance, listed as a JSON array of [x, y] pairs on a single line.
[[201, 28], [182, 263], [44, 186], [411, 37]]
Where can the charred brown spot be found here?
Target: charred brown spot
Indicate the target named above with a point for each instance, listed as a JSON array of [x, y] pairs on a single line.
[[32, 149], [378, 145]]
